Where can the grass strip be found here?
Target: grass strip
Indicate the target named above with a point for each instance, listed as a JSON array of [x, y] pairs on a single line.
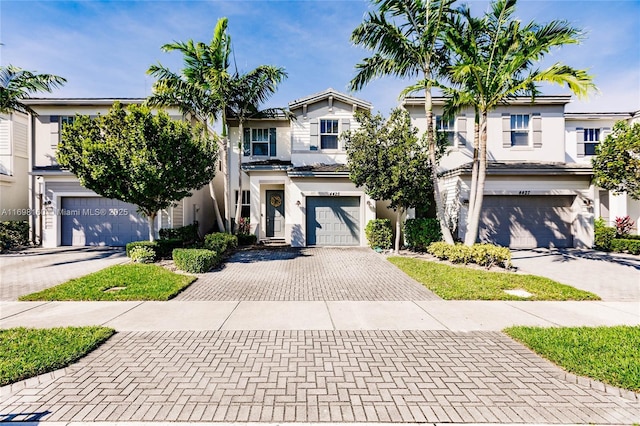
[[464, 283], [606, 354], [28, 352], [132, 281]]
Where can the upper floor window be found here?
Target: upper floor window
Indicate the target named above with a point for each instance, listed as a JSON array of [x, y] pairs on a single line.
[[447, 127], [591, 140], [519, 130], [260, 142], [328, 134]]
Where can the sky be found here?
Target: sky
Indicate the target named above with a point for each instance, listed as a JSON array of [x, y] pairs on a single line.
[[103, 48]]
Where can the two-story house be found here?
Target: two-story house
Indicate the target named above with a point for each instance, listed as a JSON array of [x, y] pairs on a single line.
[[14, 165], [63, 212], [295, 184]]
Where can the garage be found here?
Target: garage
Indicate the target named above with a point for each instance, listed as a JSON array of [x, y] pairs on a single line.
[[333, 221], [527, 221], [93, 221]]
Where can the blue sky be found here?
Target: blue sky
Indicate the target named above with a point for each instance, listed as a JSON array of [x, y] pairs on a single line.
[[104, 48]]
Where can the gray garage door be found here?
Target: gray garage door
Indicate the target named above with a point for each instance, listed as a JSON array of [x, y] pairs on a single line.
[[527, 221], [91, 221], [333, 221]]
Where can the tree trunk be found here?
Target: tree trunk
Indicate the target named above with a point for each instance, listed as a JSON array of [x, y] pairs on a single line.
[[151, 218], [444, 227], [474, 219], [225, 174], [238, 214], [216, 209], [400, 211], [474, 165]]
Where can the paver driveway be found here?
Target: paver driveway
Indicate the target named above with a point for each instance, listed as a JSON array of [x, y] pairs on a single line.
[[307, 274]]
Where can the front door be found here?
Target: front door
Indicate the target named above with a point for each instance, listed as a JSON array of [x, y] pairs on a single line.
[[275, 214]]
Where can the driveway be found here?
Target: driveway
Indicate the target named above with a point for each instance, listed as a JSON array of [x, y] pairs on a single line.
[[33, 270], [612, 276]]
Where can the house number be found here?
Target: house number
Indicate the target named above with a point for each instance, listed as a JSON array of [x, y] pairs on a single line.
[[524, 193], [334, 194]]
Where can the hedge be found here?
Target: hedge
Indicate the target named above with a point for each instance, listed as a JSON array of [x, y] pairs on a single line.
[[13, 234], [625, 245], [246, 239], [187, 234], [379, 234], [480, 254], [220, 242], [162, 247], [196, 261], [603, 235], [419, 233]]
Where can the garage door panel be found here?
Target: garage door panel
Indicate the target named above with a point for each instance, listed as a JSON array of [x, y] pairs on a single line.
[[527, 222], [333, 221]]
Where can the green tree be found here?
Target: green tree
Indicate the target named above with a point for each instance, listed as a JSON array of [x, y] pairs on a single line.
[[202, 88], [138, 157], [17, 85], [407, 40], [493, 60], [387, 159], [616, 166]]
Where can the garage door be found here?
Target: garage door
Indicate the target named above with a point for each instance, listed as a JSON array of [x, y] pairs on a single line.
[[91, 221], [333, 221], [527, 221]]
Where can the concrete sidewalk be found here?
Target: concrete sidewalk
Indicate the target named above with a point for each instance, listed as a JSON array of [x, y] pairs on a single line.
[[317, 315]]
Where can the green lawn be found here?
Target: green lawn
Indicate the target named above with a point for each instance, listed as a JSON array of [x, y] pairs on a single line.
[[26, 352], [606, 354], [464, 283], [132, 281]]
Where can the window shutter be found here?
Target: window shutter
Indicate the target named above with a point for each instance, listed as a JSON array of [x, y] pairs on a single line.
[[313, 126], [580, 141], [461, 136], [272, 142], [536, 126], [506, 130], [54, 129], [5, 139], [246, 145], [604, 132], [345, 126]]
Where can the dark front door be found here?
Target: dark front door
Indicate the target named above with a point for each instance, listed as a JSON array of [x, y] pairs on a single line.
[[275, 214]]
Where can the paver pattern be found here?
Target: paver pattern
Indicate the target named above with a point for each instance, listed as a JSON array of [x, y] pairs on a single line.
[[307, 274], [311, 376]]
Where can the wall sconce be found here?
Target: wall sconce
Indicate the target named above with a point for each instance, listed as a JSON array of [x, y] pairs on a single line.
[[369, 203], [298, 203]]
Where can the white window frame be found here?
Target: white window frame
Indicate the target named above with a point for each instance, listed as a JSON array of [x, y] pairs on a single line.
[[336, 133], [447, 127], [263, 132], [591, 139], [246, 200], [520, 124]]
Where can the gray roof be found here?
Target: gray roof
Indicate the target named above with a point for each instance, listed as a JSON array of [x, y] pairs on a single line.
[[316, 170], [316, 97], [525, 168]]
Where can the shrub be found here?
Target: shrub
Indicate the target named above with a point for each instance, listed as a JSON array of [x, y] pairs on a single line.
[[164, 247], [246, 239], [621, 245], [603, 235], [153, 245], [195, 261], [220, 242], [13, 234], [142, 254], [379, 233], [632, 237], [187, 234], [623, 226], [481, 254], [244, 226], [419, 233]]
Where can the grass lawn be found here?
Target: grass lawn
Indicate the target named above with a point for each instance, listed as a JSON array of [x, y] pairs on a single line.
[[463, 283], [606, 354], [132, 281], [27, 352]]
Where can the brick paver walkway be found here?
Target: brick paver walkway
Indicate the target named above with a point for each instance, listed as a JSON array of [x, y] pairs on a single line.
[[308, 376], [307, 274]]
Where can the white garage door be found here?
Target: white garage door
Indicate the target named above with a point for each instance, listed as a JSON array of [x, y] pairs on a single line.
[[91, 221], [333, 221], [527, 221]]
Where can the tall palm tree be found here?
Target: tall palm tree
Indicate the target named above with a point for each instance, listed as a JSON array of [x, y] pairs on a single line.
[[248, 92], [492, 61], [202, 88], [409, 48], [17, 84]]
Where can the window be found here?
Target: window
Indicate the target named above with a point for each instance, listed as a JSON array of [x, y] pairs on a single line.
[[260, 142], [447, 128], [519, 130], [246, 203], [591, 140], [328, 134]]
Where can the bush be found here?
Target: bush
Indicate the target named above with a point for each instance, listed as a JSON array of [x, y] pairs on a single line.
[[142, 254], [164, 247], [624, 226], [153, 245], [481, 254], [419, 233], [622, 245], [379, 234], [632, 237], [603, 235], [220, 242], [14, 234], [246, 239], [196, 261], [187, 234]]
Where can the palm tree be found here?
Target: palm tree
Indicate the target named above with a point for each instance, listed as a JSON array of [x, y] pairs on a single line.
[[493, 60], [203, 88], [412, 48], [17, 84], [249, 91]]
